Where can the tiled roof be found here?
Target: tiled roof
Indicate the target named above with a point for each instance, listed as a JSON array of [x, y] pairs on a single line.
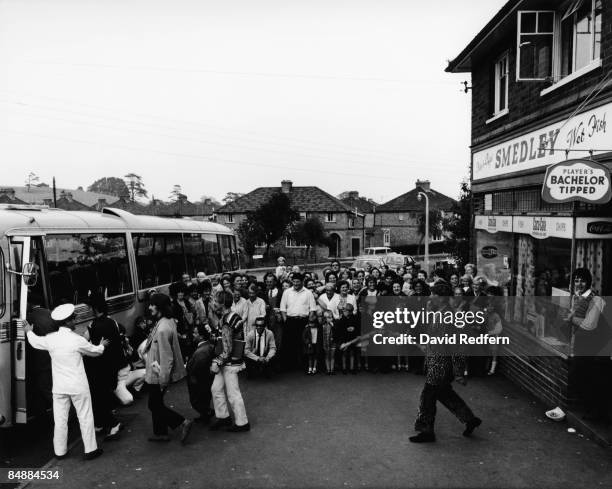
[[36, 195], [303, 199], [184, 208], [71, 205], [126, 205], [410, 202], [363, 205], [5, 199]]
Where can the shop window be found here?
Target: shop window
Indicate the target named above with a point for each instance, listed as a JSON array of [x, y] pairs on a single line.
[[541, 270], [535, 44], [80, 264], [500, 87]]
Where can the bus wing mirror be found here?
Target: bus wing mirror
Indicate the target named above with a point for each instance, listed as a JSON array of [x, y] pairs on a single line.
[[29, 272]]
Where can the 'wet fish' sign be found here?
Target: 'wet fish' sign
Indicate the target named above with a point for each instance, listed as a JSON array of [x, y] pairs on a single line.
[[582, 180]]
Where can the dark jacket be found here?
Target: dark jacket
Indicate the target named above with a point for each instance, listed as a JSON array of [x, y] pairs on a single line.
[[112, 360], [198, 366], [342, 328]]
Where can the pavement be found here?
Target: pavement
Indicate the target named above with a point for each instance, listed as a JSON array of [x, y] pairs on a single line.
[[348, 431]]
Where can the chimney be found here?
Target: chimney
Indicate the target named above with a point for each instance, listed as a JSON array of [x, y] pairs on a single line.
[[353, 194], [48, 202], [424, 184], [63, 194], [68, 196], [286, 186], [207, 202], [102, 203]]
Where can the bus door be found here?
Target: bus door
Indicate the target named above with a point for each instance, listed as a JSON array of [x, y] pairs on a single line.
[[23, 273]]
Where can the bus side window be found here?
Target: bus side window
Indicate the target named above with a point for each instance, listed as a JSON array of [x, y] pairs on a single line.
[[212, 254], [196, 261], [81, 264]]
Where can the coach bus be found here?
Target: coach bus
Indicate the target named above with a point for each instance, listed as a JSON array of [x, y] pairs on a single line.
[[52, 256]]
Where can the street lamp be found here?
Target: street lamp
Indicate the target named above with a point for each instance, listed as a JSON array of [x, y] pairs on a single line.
[[420, 196]]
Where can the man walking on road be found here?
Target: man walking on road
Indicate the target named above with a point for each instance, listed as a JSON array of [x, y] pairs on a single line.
[[226, 365], [164, 364], [441, 368]]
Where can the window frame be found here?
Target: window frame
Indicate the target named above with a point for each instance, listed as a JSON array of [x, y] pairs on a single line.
[[497, 110], [230, 218], [537, 33], [330, 217], [289, 240]]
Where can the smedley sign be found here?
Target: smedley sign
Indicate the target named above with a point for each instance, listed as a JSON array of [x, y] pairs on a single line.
[[577, 180], [585, 131]]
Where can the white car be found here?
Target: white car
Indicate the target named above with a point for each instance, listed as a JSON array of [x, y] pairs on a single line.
[[377, 250]]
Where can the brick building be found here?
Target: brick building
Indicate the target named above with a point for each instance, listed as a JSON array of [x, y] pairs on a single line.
[[540, 93], [397, 222], [342, 224]]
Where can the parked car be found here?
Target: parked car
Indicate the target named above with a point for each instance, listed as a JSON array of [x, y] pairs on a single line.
[[377, 250], [362, 261], [394, 260]]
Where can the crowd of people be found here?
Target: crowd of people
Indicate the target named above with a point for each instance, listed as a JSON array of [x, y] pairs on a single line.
[[210, 329]]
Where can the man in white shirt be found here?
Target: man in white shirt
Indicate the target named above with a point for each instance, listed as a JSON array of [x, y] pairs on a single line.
[[256, 307], [297, 305], [70, 385], [240, 306]]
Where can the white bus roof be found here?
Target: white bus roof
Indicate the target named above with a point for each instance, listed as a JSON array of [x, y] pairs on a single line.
[[28, 220]]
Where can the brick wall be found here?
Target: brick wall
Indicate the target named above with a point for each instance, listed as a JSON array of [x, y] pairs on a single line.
[[525, 103]]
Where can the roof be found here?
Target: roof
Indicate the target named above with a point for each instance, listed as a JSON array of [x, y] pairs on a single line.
[[303, 199], [363, 205], [462, 63], [410, 202], [183, 208], [37, 195], [30, 220], [5, 199], [71, 205]]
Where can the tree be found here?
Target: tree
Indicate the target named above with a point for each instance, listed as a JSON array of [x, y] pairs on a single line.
[[459, 225], [310, 233], [111, 186], [275, 216], [214, 202], [231, 197], [249, 232], [135, 186], [177, 193], [31, 179]]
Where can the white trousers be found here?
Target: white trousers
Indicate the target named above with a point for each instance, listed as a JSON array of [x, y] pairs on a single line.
[[127, 378], [61, 408], [225, 389]]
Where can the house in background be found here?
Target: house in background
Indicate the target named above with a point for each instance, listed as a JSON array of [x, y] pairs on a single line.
[[7, 196], [397, 222], [344, 226]]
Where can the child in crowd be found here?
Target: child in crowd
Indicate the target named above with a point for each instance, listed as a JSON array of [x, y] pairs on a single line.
[[348, 330], [312, 344], [329, 336]]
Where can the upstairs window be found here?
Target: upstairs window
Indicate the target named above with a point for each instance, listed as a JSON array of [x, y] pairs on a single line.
[[501, 85], [536, 32], [230, 219], [580, 35], [330, 217]]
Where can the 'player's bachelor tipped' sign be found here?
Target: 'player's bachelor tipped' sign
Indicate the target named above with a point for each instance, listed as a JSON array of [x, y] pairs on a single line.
[[583, 180]]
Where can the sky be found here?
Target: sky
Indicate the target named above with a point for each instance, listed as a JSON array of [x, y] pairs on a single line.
[[227, 96]]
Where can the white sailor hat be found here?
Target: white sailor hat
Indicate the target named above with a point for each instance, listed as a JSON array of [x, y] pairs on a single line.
[[60, 313]]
